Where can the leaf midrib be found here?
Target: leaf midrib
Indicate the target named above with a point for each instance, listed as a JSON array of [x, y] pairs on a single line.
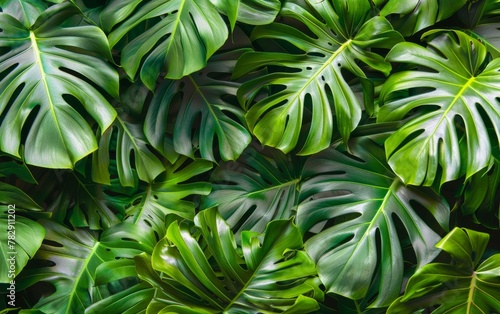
[[38, 60], [315, 75]]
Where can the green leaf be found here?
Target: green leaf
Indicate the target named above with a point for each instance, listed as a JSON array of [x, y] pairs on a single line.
[[25, 11], [81, 202], [19, 240], [455, 86], [365, 208], [277, 275], [254, 190], [481, 197], [411, 16], [71, 258], [168, 196], [340, 44], [45, 66], [457, 287], [253, 12], [133, 300], [481, 21], [12, 195], [183, 35], [201, 97], [130, 145]]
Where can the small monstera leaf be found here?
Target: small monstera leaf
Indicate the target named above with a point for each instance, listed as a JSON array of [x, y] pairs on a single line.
[[125, 140], [410, 16], [204, 117], [319, 78], [182, 36], [167, 195], [70, 259], [456, 91], [259, 187], [363, 207], [464, 286], [43, 67], [253, 12], [271, 273]]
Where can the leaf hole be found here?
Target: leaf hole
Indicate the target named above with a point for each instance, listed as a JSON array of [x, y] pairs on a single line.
[[52, 243]]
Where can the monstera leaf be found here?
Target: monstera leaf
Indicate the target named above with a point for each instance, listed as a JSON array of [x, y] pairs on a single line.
[[340, 45], [26, 11], [270, 275], [410, 16], [464, 286], [20, 237], [370, 215], [167, 195], [201, 96], [481, 197], [457, 92], [254, 190], [44, 69], [70, 259], [130, 144], [253, 12], [481, 20], [183, 35]]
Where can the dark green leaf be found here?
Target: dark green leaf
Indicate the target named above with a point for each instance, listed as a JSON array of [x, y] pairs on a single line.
[[278, 276], [365, 206], [183, 35]]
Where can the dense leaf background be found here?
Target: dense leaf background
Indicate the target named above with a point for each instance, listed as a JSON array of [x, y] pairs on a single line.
[[250, 156]]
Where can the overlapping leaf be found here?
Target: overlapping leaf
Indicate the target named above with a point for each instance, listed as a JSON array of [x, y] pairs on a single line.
[[364, 207], [341, 42], [457, 86], [459, 287], [168, 195], [182, 36], [254, 190], [410, 16], [20, 235], [204, 118], [277, 275], [130, 145], [70, 259], [253, 12], [41, 66]]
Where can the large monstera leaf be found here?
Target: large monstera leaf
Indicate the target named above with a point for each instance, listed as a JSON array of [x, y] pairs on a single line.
[[457, 92], [182, 36], [45, 68], [271, 273], [320, 78], [463, 286], [410, 16], [259, 187], [69, 259], [367, 215], [204, 117]]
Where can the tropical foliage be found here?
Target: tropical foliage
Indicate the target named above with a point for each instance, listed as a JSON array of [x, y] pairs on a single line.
[[250, 156]]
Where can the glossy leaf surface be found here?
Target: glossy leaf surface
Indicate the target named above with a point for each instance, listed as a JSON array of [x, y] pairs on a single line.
[[366, 206], [43, 66], [465, 286], [273, 262], [341, 39], [457, 86]]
